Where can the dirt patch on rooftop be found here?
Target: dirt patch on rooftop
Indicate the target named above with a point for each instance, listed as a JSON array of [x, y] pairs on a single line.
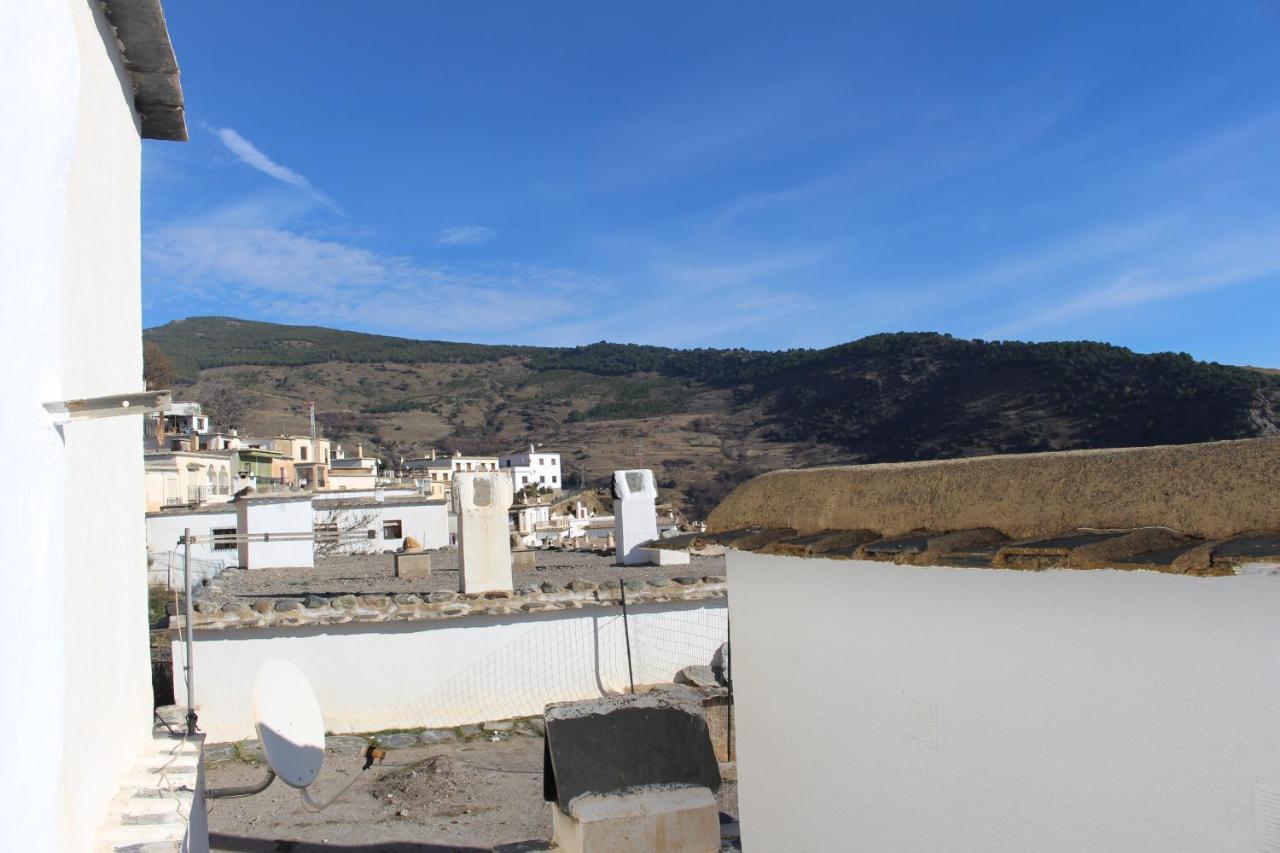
[[471, 795]]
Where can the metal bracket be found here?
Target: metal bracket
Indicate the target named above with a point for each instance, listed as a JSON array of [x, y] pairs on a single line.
[[115, 405]]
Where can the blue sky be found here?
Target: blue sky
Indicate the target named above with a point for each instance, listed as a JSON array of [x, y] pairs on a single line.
[[727, 174]]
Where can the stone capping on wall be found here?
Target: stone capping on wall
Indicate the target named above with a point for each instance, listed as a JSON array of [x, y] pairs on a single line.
[[294, 611], [1212, 491]]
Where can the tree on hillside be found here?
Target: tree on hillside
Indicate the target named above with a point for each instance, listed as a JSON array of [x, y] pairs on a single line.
[[225, 405], [157, 368]]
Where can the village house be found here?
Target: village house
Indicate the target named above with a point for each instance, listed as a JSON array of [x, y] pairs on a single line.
[[188, 478], [82, 84], [533, 467], [435, 468], [262, 467], [354, 472], [229, 440]]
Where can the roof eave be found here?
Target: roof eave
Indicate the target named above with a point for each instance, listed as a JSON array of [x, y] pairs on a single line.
[[153, 72]]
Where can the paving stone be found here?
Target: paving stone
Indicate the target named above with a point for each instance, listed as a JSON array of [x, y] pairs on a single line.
[[442, 595], [286, 604], [397, 740], [264, 605], [685, 580], [659, 582], [532, 726], [405, 598], [345, 602], [550, 586], [437, 735], [634, 584], [345, 744], [219, 752], [249, 749], [581, 585], [315, 601]]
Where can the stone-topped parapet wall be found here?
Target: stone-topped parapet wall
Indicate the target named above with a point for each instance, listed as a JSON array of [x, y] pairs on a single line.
[[294, 611], [1213, 490]]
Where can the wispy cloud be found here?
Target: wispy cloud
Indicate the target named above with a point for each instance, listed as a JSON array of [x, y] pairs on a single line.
[[252, 156], [464, 235], [1221, 264], [286, 275]]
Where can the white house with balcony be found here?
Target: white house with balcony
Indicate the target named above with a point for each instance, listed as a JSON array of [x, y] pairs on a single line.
[[188, 478], [533, 467]]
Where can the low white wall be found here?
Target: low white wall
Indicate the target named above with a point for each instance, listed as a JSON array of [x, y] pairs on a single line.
[[902, 708], [275, 516], [428, 523], [384, 675], [163, 551]]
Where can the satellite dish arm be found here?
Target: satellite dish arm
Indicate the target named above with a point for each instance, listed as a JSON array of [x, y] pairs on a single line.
[[241, 790]]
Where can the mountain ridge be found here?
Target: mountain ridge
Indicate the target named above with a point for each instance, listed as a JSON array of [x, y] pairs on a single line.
[[706, 418]]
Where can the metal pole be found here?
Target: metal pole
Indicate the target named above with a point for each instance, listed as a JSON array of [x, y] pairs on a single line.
[[187, 620], [626, 632]]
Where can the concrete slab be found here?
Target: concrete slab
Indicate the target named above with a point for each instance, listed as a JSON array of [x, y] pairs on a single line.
[[413, 565], [664, 556], [680, 820]]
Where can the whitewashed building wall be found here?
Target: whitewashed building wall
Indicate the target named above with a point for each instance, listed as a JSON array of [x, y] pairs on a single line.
[[74, 648], [887, 707]]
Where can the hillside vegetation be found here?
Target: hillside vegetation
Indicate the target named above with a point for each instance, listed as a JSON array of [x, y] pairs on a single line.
[[705, 419]]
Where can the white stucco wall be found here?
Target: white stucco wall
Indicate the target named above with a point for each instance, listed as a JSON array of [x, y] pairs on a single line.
[[884, 707], [270, 516], [372, 676], [428, 523], [164, 530], [73, 651]]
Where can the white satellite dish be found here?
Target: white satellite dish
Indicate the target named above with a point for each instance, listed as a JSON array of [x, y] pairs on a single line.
[[289, 723]]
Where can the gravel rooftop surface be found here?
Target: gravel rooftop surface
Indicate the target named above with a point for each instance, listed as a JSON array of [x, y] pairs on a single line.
[[464, 795], [375, 573]]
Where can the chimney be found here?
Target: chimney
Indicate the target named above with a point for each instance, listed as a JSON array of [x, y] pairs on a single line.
[[531, 451], [433, 454], [359, 451]]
